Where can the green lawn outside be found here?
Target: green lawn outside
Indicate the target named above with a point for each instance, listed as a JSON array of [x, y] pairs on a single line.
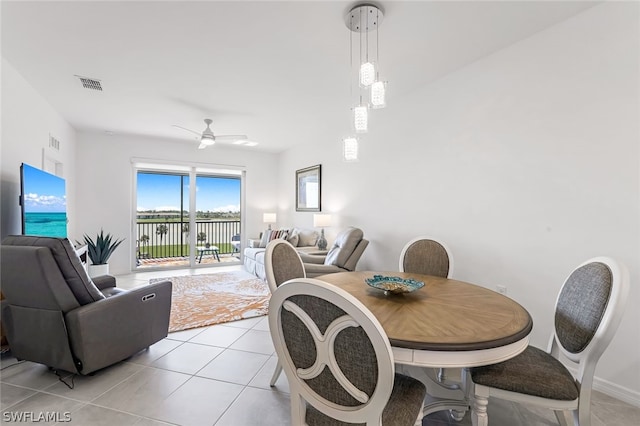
[[174, 250]]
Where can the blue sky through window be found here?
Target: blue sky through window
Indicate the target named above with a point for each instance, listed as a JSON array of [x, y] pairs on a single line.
[[161, 192]]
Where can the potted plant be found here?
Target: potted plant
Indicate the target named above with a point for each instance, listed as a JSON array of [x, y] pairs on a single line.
[[99, 251]]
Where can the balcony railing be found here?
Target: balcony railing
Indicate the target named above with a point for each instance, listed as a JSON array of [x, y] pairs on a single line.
[[171, 239]]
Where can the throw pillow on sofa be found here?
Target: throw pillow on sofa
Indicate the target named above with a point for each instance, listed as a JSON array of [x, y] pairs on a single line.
[[272, 234], [264, 239], [279, 234], [307, 238], [293, 238]]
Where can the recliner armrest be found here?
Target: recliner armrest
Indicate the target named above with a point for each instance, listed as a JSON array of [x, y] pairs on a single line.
[[112, 329], [104, 281], [313, 270], [312, 258]]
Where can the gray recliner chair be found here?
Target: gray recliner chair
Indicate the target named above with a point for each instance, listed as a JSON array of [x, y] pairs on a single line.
[[54, 314], [342, 257]]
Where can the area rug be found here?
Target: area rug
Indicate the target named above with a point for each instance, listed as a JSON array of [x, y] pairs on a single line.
[[201, 300]]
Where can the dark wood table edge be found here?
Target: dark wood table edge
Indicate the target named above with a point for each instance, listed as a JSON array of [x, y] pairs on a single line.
[[463, 347]]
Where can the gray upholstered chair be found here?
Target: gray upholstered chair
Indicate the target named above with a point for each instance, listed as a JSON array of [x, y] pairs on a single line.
[[338, 359], [281, 263], [54, 314], [588, 311], [343, 256], [424, 255]]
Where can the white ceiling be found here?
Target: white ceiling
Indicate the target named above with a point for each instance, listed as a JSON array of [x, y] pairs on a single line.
[[275, 71]]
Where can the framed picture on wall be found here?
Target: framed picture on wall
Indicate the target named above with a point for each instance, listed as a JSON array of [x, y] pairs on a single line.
[[308, 189]]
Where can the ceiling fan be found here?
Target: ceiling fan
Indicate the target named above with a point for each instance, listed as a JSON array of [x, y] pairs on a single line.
[[207, 138]]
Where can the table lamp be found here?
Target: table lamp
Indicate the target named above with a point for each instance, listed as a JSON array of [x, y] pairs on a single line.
[[321, 221], [269, 218]]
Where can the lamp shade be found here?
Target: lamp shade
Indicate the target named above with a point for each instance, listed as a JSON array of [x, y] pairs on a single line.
[[321, 220], [269, 217]]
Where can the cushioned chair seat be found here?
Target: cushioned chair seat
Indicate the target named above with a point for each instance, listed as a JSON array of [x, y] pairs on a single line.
[[533, 372], [400, 410]]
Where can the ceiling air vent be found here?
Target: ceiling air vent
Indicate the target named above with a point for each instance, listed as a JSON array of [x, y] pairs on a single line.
[[90, 83]]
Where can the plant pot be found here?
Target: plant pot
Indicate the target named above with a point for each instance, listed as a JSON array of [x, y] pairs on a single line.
[[98, 270]]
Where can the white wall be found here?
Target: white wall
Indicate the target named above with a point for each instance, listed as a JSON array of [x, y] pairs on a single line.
[[525, 163], [27, 122], [105, 183]]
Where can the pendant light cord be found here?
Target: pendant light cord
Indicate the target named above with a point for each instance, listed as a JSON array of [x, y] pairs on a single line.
[[377, 44], [351, 61]]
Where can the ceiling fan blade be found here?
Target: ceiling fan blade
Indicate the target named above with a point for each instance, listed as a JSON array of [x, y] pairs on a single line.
[[230, 138], [188, 130]]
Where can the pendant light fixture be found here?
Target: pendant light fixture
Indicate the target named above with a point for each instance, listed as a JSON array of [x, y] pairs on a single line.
[[350, 149], [363, 19], [361, 118]]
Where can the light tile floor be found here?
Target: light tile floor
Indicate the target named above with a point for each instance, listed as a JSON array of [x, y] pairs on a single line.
[[217, 375]]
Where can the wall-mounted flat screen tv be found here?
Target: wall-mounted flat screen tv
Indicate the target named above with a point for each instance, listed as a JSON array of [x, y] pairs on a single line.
[[44, 203]]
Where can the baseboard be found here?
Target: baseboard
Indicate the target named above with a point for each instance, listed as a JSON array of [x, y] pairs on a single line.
[[613, 390], [619, 392]]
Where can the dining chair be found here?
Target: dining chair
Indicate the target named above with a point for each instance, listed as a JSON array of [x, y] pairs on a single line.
[[282, 263], [425, 255], [338, 359], [588, 311], [428, 256]]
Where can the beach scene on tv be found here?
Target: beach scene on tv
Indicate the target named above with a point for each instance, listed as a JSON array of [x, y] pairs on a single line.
[[44, 203]]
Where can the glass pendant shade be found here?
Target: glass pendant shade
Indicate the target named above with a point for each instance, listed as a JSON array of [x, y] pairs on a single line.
[[378, 95], [360, 119], [367, 74], [350, 149]]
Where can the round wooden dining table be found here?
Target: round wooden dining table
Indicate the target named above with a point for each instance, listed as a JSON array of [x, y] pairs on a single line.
[[445, 324]]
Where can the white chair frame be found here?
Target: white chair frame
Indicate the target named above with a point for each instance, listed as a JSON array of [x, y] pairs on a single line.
[[406, 247], [586, 359], [273, 285], [356, 315]]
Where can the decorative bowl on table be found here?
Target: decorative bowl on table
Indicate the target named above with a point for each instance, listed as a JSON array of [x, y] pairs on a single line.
[[394, 285]]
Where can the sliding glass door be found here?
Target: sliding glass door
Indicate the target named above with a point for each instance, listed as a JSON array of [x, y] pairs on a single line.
[[162, 219], [178, 225], [217, 216]]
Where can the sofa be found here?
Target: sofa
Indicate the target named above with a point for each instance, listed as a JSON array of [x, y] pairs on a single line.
[[304, 240]]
